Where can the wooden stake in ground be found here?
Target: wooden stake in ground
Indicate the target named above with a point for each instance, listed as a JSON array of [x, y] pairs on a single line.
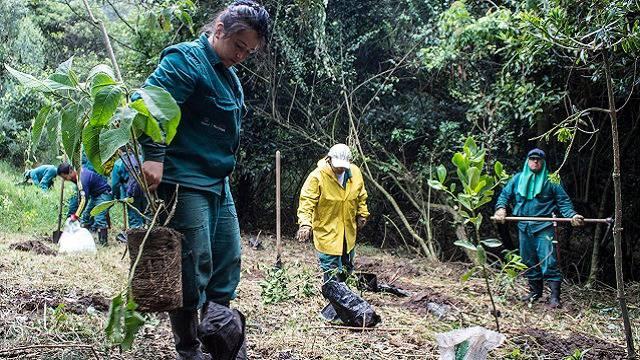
[[124, 217], [56, 234], [617, 226], [278, 238]]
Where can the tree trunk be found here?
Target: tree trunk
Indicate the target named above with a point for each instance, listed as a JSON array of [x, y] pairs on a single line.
[[617, 226]]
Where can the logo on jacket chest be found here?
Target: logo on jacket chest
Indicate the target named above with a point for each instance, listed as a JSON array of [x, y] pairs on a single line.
[[210, 124]]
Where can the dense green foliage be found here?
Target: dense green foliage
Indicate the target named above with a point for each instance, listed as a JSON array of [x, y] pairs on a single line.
[[402, 82]]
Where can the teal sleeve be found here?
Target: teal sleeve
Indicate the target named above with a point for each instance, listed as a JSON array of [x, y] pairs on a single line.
[[563, 201], [506, 194], [115, 182], [47, 179], [177, 73]]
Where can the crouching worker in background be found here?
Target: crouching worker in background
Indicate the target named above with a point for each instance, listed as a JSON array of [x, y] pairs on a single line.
[[123, 186], [333, 206], [534, 195], [92, 190], [42, 176]]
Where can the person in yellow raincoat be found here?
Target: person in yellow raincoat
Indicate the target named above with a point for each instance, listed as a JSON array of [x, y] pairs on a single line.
[[333, 206]]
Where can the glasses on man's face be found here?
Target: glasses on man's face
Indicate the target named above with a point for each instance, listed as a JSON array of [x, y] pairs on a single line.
[[535, 159]]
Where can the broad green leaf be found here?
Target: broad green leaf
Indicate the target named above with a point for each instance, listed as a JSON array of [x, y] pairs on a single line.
[[471, 146], [442, 173], [53, 122], [465, 244], [102, 207], [133, 321], [113, 329], [460, 161], [498, 168], [65, 67], [98, 69], [91, 146], [70, 128], [453, 187], [145, 123], [105, 103], [149, 126], [163, 108], [436, 184], [38, 125], [492, 243], [62, 79], [474, 177], [36, 84], [479, 186], [482, 255], [113, 139], [99, 81], [464, 201]]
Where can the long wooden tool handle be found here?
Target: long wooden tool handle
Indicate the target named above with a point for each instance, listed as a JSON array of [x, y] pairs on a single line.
[[530, 218], [60, 205], [278, 239]]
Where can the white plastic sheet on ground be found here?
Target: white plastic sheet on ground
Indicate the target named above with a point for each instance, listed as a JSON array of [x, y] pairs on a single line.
[[472, 343], [76, 239]]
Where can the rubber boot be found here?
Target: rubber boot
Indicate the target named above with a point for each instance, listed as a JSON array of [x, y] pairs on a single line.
[[184, 325], [102, 237], [554, 300], [535, 291]]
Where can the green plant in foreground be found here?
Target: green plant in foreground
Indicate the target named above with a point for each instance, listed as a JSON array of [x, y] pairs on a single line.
[[274, 288], [98, 117], [474, 188], [577, 355]]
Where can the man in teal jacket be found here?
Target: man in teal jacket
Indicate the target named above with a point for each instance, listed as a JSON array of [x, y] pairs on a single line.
[[534, 195], [41, 176]]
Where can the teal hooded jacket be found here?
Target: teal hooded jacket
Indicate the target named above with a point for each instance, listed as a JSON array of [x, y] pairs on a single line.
[[211, 102], [552, 198]]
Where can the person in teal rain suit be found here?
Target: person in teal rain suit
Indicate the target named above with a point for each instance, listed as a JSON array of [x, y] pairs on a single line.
[[201, 77], [532, 194], [42, 176]]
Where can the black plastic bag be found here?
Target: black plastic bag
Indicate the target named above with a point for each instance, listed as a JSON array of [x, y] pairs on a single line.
[[222, 332], [351, 308], [369, 282]]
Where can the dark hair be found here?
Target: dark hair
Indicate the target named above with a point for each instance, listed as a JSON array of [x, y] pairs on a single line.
[[242, 15], [64, 168]]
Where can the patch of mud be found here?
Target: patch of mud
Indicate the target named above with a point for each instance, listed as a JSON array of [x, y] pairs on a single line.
[[35, 246], [428, 300], [560, 347], [29, 301]]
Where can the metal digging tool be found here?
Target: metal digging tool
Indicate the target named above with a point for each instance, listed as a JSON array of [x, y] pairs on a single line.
[[533, 218], [278, 263], [55, 237]]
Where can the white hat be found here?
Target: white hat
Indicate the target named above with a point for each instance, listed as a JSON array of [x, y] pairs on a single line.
[[340, 155]]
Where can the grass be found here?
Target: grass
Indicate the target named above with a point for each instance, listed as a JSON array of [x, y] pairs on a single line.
[[28, 209], [60, 301]]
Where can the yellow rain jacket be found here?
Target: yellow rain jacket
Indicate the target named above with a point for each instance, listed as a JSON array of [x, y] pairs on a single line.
[[330, 209]]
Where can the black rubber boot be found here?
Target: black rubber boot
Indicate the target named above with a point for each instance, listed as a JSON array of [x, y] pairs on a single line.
[[535, 291], [184, 325], [102, 237], [554, 300]]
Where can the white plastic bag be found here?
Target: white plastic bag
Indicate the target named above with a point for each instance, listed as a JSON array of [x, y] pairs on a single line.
[[75, 238], [468, 344]]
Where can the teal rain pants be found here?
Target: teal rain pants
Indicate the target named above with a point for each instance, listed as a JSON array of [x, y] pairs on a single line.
[[539, 254], [211, 247]]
